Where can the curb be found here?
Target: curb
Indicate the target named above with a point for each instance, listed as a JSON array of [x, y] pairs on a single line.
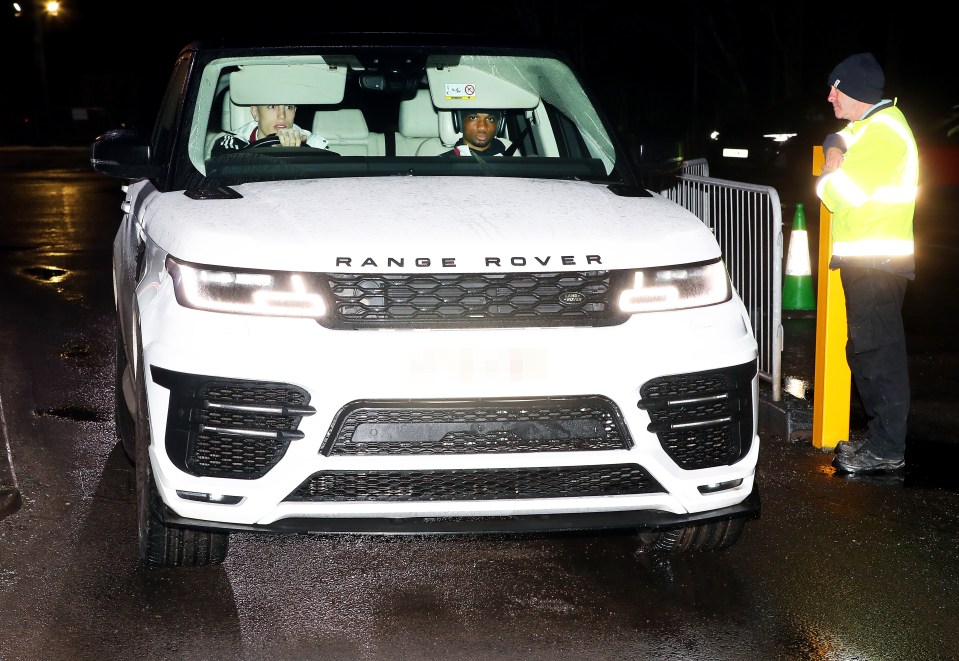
[[790, 418]]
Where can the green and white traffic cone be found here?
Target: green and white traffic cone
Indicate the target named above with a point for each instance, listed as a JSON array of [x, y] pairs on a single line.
[[797, 284]]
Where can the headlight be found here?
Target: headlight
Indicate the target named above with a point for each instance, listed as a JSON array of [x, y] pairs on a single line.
[[677, 287], [268, 293]]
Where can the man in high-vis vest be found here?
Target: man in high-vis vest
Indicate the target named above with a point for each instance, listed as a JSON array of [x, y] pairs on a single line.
[[869, 183]]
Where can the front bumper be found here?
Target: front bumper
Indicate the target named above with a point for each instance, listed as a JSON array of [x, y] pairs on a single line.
[[566, 522], [246, 483]]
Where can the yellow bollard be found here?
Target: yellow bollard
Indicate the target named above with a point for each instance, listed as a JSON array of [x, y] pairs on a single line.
[[833, 380]]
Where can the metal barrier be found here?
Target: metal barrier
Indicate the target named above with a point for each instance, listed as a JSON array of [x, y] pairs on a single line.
[[747, 222], [697, 166]]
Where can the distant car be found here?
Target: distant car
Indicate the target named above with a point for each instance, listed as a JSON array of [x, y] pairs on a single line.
[[772, 149], [381, 337], [939, 151]]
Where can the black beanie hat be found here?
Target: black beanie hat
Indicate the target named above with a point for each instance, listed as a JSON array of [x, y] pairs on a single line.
[[860, 77]]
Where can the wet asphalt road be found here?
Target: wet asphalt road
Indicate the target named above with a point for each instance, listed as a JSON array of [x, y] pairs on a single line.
[[835, 568]]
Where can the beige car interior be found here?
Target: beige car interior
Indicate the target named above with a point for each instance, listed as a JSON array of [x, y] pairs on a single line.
[[424, 123]]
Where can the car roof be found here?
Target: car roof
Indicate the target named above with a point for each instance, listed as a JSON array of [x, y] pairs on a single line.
[[434, 40]]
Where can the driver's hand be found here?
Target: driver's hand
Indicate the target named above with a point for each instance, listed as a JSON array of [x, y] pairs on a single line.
[[290, 137]]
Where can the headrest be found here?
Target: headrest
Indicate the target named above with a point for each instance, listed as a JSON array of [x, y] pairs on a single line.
[[418, 118], [234, 116], [338, 125], [448, 134]]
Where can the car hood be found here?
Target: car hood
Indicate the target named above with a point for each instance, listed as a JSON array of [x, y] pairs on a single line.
[[404, 224]]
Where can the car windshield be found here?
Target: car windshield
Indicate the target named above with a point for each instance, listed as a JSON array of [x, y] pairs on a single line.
[[365, 113]]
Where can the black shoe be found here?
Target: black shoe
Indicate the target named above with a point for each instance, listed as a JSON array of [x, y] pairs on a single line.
[[848, 447], [865, 461]]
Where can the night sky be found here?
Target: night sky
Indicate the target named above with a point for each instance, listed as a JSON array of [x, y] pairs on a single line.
[[674, 67]]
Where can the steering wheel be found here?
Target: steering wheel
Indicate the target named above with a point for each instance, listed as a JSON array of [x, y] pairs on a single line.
[[269, 141], [272, 140]]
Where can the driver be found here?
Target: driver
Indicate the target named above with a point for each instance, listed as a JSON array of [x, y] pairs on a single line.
[[479, 134], [274, 119]]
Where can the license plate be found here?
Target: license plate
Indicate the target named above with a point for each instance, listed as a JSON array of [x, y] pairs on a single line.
[[472, 365]]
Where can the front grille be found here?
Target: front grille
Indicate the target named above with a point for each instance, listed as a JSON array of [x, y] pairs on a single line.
[[227, 427], [702, 419], [488, 484], [573, 424], [492, 300]]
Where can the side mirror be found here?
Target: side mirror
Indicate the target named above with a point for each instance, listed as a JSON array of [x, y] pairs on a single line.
[[123, 153]]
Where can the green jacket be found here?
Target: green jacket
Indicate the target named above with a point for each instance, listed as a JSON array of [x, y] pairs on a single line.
[[872, 196]]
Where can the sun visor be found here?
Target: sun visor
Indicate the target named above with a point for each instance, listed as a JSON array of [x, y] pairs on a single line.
[[463, 87], [297, 84]]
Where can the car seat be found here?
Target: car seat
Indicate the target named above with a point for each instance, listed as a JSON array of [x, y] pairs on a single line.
[[347, 133], [419, 131], [232, 117]]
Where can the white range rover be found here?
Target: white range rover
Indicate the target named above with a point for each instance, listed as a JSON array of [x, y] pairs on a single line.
[[381, 337]]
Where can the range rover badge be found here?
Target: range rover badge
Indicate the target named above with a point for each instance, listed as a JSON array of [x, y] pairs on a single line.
[[571, 298]]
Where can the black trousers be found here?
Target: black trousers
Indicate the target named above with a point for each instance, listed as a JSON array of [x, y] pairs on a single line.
[[876, 352]]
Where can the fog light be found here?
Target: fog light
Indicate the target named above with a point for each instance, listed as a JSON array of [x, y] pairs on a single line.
[[719, 486], [211, 497]]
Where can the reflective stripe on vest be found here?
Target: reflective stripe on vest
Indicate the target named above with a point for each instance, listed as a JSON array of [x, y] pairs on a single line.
[[906, 191], [868, 247]]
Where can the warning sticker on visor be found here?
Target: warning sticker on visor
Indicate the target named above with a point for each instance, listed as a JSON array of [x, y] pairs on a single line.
[[460, 92]]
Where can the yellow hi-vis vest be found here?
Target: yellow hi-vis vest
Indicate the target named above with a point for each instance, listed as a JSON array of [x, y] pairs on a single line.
[[872, 196]]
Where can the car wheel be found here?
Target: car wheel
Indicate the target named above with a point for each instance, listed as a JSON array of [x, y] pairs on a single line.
[[161, 545], [124, 421], [703, 537]]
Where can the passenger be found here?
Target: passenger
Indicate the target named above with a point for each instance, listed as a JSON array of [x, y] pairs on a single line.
[[479, 134], [274, 119]]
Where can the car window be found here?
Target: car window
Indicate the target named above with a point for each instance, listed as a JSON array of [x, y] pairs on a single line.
[[380, 122]]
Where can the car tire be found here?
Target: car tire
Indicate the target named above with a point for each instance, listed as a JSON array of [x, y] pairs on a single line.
[[703, 537], [161, 545]]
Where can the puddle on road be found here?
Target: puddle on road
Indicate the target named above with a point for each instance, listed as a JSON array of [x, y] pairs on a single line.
[[52, 274], [77, 413], [77, 351]]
